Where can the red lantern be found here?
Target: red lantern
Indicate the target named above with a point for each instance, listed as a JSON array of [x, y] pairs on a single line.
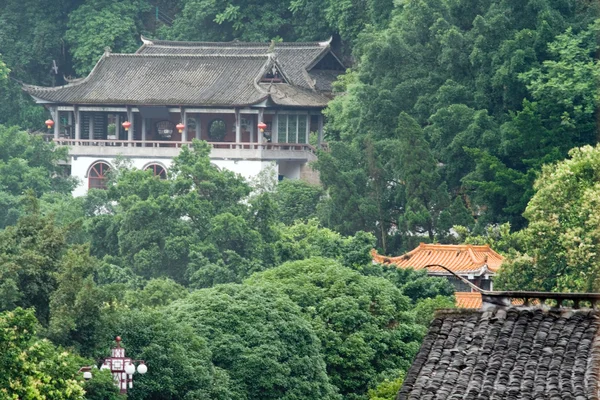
[[262, 126], [49, 123], [180, 127], [126, 125]]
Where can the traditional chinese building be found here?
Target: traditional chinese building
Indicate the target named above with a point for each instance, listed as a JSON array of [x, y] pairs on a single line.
[[255, 103], [477, 264]]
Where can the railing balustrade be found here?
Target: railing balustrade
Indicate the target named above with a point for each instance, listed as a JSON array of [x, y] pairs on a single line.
[[173, 144]]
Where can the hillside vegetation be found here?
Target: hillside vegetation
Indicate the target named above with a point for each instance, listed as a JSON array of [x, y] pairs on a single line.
[[456, 121]]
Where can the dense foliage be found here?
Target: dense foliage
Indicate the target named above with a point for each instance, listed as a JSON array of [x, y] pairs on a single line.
[[452, 125], [364, 323], [32, 368], [500, 88], [145, 258]]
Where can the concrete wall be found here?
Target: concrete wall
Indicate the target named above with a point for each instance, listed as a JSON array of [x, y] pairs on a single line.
[[81, 165]]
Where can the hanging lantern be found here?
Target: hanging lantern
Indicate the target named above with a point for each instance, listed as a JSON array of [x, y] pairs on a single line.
[[262, 126], [49, 123], [126, 125], [180, 127]]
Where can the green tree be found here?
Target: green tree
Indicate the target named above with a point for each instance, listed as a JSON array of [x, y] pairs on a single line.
[[76, 302], [3, 71], [95, 25], [258, 336], [157, 293], [426, 197], [27, 162], [363, 322], [297, 200], [102, 387], [387, 390], [30, 256], [562, 241], [178, 360], [31, 368], [483, 78]]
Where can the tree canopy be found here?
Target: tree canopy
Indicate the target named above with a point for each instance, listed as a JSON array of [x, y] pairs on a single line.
[[458, 121]]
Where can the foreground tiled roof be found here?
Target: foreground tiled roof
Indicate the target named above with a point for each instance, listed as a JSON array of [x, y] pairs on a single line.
[[295, 58], [461, 259], [508, 353], [212, 80]]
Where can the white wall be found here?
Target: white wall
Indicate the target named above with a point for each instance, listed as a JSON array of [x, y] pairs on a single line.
[[290, 169], [81, 165]]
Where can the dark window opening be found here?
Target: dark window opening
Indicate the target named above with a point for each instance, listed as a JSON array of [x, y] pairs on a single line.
[[217, 130]]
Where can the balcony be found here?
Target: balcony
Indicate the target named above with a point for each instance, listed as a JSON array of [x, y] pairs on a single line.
[[169, 149]]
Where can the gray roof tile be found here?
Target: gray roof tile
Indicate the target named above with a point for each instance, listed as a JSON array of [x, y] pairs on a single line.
[[165, 80], [220, 79], [514, 353], [294, 58]]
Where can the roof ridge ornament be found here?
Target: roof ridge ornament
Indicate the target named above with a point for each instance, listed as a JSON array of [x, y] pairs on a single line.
[[146, 41], [107, 51], [327, 42]]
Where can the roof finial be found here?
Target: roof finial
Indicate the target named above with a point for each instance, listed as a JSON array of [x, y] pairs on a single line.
[[272, 46], [146, 41], [107, 51]]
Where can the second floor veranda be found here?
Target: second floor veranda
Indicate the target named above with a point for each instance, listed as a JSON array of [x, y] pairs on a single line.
[[161, 132]]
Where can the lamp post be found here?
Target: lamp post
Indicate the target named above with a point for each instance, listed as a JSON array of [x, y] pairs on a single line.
[[87, 372], [122, 368]]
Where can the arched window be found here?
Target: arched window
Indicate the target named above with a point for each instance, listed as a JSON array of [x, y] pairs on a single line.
[[157, 170], [97, 177]]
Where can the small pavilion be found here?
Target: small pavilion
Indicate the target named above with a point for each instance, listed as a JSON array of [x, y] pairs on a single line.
[[475, 264]]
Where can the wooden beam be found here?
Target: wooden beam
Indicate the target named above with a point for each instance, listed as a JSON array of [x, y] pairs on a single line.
[[307, 129], [184, 121]]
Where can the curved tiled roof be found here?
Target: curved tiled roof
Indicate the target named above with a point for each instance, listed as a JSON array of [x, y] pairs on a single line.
[[294, 57], [461, 259], [508, 353], [180, 79], [164, 80]]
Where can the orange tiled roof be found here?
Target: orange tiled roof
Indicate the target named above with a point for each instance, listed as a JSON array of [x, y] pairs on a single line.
[[473, 300], [462, 258], [468, 299]]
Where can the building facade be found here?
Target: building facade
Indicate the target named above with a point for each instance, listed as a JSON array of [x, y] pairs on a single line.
[[255, 103]]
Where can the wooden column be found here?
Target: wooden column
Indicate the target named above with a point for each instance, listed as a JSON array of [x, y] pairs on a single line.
[[56, 116], [70, 122], [238, 128], [184, 121], [91, 126], [143, 131], [132, 127], [320, 124], [77, 115], [275, 128], [307, 128], [198, 127], [259, 135], [118, 126]]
